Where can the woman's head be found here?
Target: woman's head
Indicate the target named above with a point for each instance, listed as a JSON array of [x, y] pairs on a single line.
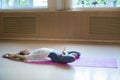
[[24, 52]]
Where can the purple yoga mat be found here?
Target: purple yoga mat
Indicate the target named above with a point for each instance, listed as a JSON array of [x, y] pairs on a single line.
[[87, 62]]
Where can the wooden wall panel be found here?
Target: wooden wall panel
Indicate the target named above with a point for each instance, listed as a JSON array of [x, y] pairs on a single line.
[[70, 25]]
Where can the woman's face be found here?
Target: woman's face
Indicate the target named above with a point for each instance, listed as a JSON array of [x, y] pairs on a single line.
[[25, 52]]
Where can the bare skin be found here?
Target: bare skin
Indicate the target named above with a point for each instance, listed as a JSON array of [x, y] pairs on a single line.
[[14, 57], [17, 56], [65, 53]]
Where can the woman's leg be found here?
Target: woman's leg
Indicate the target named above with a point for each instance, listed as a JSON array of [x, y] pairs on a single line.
[[75, 53], [67, 58], [56, 57]]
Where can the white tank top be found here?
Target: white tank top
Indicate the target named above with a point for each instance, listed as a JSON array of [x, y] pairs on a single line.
[[39, 55]]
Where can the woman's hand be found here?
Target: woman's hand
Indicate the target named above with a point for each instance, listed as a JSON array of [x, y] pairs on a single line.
[[7, 55]]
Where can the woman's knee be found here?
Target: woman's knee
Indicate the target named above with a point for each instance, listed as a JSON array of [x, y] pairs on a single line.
[[67, 58]]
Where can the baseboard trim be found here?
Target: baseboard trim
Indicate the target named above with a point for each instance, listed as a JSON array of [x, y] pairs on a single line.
[[48, 39]]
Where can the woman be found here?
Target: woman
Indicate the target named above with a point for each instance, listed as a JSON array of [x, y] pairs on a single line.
[[43, 53]]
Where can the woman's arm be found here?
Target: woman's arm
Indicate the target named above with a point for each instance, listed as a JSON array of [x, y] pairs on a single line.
[[15, 57]]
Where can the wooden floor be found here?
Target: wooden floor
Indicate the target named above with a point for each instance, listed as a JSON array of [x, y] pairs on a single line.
[[13, 70]]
